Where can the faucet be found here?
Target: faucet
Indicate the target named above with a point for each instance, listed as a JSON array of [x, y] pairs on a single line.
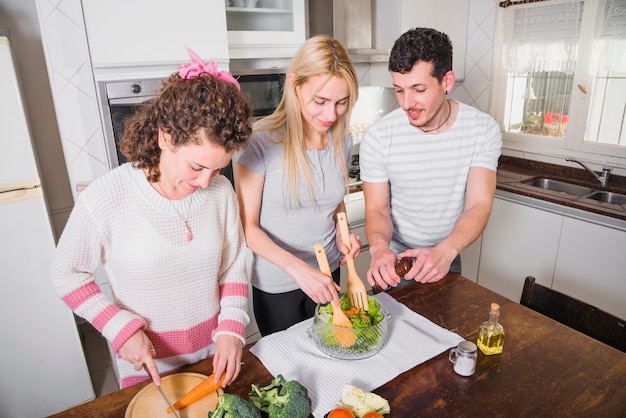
[[603, 178]]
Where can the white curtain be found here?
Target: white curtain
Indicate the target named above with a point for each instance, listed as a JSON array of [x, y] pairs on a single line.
[[544, 36], [609, 49]]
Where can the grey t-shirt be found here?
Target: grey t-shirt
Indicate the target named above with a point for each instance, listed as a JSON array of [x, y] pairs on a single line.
[[296, 229]]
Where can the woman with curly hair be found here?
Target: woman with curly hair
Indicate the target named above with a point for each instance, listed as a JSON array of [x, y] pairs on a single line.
[[165, 226], [291, 181]]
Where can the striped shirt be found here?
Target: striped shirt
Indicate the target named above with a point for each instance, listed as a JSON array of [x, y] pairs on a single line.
[[427, 173]]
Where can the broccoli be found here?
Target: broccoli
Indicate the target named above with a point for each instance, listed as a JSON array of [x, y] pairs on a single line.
[[233, 406], [282, 399]]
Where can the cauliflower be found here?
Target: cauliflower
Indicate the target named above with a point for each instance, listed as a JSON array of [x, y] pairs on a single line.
[[361, 402]]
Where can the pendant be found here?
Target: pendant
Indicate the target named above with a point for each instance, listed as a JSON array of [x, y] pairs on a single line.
[[188, 234]]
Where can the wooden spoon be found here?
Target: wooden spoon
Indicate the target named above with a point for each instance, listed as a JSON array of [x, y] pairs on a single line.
[[346, 337]]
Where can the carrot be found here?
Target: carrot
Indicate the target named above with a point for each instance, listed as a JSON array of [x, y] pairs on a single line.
[[352, 311], [200, 391]]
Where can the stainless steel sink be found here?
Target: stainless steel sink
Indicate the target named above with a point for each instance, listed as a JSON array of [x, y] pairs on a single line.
[[609, 197], [559, 186]]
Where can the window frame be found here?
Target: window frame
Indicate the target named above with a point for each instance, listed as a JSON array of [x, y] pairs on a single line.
[[573, 145]]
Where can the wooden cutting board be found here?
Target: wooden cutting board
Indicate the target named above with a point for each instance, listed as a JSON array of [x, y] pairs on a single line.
[[149, 402]]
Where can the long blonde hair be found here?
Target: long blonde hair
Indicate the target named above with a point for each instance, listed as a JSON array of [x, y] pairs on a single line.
[[319, 55]]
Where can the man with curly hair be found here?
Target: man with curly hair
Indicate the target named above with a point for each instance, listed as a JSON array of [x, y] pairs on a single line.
[[428, 167]]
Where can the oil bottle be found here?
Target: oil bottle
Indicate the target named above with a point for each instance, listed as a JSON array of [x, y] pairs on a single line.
[[491, 333]]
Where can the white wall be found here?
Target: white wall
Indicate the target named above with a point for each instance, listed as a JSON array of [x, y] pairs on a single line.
[[20, 17]]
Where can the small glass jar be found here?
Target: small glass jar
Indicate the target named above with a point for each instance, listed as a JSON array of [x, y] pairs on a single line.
[[464, 356]]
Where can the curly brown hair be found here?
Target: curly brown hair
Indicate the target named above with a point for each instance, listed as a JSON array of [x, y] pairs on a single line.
[[186, 109], [422, 44]]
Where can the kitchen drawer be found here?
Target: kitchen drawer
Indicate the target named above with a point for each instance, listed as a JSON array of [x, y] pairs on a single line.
[[355, 209]]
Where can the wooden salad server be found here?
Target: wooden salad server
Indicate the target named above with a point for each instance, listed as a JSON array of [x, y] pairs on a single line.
[[345, 337]]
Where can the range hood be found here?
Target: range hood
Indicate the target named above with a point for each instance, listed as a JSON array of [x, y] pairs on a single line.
[[350, 22]]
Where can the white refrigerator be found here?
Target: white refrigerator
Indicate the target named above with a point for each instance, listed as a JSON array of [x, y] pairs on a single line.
[[42, 365]]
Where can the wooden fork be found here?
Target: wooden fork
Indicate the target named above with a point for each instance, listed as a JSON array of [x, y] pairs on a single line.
[[356, 289], [346, 337]]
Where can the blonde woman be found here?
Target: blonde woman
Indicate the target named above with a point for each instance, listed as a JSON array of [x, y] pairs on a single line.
[[291, 181]]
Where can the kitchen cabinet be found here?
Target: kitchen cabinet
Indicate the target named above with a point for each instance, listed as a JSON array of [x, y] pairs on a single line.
[[143, 32], [590, 265], [252, 330], [394, 17], [265, 28], [565, 249], [470, 259], [518, 241]]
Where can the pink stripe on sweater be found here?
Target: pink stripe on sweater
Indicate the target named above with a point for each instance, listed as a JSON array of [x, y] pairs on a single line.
[[176, 343], [126, 332], [105, 316], [234, 289], [78, 296], [231, 326]]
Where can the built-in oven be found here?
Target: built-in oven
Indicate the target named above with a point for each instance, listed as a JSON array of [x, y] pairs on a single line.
[[263, 85]]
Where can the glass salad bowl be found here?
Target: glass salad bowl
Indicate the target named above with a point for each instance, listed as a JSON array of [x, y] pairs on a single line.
[[368, 339]]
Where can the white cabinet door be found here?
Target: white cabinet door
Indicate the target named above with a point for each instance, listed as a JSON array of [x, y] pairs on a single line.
[[470, 259], [252, 330], [518, 241], [146, 32], [274, 28], [591, 265]]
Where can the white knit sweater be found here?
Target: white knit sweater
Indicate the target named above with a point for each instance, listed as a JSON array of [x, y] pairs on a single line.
[[183, 294]]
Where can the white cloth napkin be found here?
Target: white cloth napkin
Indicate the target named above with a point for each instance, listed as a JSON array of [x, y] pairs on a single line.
[[413, 339]]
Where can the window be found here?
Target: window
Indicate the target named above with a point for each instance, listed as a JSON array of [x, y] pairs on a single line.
[[560, 82]]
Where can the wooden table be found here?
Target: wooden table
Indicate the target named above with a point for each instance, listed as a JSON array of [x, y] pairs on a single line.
[[546, 369]]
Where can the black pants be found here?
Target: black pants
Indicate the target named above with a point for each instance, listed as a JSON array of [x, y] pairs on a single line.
[[278, 311]]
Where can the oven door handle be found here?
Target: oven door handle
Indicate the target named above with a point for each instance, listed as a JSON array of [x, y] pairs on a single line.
[[130, 100]]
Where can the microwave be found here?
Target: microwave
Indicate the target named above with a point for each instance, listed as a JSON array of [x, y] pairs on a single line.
[[262, 81]]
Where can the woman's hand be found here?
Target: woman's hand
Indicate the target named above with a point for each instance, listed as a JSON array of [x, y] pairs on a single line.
[[227, 358], [138, 350], [317, 286], [355, 246]]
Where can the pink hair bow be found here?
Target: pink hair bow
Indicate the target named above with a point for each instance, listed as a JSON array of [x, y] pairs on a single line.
[[197, 67]]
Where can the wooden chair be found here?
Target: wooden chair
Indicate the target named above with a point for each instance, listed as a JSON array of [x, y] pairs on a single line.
[[575, 314]]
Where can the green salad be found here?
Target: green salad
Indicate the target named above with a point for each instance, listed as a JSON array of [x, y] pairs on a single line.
[[367, 336]]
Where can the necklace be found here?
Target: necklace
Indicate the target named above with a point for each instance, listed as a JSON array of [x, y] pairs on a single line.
[[188, 234], [444, 122]]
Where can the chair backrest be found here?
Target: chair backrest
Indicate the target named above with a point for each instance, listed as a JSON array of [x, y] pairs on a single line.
[[575, 314]]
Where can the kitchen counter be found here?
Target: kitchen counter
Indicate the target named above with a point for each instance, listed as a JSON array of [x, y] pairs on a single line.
[[512, 171], [546, 369]]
